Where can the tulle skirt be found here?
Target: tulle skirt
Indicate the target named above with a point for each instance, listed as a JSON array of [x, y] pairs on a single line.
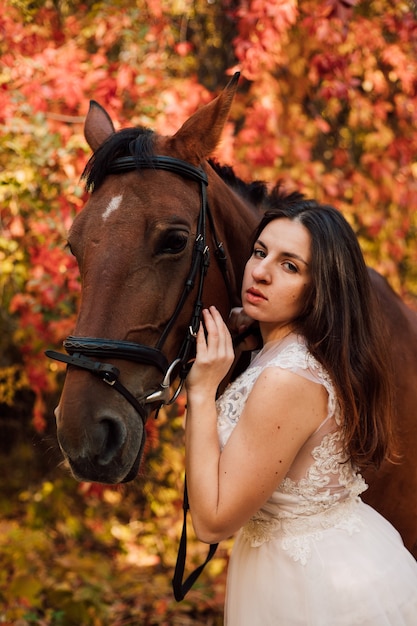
[[362, 578]]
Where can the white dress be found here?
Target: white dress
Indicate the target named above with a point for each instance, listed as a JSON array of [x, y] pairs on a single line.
[[315, 554]]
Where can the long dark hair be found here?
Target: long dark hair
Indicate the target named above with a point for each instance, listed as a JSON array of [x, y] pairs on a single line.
[[342, 325]]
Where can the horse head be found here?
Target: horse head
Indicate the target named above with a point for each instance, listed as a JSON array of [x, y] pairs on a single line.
[[142, 242]]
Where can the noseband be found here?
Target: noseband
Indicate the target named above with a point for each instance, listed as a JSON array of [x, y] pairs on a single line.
[[81, 349]]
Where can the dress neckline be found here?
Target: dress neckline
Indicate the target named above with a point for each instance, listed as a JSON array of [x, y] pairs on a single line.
[[282, 342]]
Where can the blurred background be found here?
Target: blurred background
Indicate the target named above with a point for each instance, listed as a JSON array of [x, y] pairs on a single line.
[[327, 103]]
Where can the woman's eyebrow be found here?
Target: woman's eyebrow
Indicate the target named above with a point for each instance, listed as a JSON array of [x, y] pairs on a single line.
[[284, 253], [293, 255]]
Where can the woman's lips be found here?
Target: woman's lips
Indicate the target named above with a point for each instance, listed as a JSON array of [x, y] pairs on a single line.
[[254, 296]]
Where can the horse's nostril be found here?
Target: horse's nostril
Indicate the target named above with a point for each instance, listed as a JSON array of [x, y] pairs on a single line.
[[112, 435]]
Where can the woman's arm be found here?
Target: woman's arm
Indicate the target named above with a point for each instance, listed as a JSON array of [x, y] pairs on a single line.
[[226, 488]]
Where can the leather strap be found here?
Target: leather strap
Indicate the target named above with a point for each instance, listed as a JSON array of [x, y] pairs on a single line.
[[160, 162], [109, 348], [105, 371], [179, 586]]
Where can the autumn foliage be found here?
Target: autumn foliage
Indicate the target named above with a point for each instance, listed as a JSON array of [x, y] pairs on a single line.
[[327, 104]]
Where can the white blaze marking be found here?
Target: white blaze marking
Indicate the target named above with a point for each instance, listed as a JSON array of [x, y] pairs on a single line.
[[112, 206]]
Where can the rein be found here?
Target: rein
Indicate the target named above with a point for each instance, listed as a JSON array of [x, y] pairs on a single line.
[[81, 349]]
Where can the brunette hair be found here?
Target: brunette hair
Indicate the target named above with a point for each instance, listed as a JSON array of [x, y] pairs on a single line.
[[342, 325]]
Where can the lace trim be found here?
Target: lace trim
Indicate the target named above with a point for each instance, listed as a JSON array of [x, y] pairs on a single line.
[[295, 356], [326, 496], [329, 461], [298, 534]]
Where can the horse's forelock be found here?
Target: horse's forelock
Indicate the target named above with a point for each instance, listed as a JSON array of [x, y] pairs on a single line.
[[126, 142]]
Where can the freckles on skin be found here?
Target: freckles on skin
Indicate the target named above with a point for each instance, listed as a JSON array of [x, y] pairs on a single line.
[[305, 286]]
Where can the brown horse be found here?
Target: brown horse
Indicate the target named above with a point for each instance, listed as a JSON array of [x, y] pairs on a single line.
[[142, 244]]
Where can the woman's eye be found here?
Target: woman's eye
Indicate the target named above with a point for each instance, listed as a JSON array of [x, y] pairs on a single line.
[[291, 267], [259, 253], [172, 243]]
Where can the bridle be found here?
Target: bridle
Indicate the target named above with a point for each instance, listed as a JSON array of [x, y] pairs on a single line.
[[81, 351]]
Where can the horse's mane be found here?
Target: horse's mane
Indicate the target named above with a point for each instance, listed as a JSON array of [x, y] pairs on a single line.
[[278, 198], [140, 141], [256, 192]]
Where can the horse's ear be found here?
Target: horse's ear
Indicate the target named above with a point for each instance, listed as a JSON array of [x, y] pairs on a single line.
[[98, 126], [200, 134]]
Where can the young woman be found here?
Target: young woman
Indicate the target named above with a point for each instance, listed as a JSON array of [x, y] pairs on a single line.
[[276, 457]]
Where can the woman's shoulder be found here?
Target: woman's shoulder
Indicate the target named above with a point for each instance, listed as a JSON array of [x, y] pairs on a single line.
[[292, 354]]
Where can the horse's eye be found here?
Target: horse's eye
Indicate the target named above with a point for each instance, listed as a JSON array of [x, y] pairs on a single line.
[[172, 242]]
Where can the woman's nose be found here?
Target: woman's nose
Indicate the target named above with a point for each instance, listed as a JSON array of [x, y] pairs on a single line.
[[260, 272]]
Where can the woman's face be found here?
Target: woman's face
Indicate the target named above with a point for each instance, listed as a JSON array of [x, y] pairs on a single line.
[[277, 276]]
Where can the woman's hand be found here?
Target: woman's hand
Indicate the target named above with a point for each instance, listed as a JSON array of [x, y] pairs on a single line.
[[215, 355], [241, 324]]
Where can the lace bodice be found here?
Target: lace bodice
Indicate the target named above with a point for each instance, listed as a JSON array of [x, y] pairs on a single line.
[[321, 485]]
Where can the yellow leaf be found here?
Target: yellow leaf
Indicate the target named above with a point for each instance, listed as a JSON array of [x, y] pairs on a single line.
[[26, 587]]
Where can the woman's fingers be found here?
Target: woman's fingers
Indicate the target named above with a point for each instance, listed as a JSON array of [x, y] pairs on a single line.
[[217, 345], [227, 343], [238, 320], [244, 329], [201, 340], [214, 355], [218, 336]]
